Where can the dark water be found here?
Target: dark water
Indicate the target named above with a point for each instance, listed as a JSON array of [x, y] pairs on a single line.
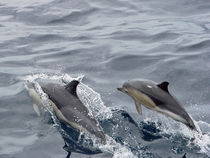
[[109, 42]]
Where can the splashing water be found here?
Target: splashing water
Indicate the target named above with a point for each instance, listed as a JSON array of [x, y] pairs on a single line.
[[117, 149], [200, 139], [90, 98], [203, 140], [92, 101]]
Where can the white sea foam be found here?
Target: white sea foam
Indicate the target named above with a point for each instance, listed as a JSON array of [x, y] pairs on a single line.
[[203, 139], [117, 150]]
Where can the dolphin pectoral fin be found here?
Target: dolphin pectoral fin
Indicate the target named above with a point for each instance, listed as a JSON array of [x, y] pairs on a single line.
[[138, 107], [36, 109]]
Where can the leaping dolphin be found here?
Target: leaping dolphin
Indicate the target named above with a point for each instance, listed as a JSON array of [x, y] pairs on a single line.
[[156, 97], [68, 107]]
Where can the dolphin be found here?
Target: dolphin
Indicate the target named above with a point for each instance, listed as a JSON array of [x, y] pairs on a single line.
[[156, 97], [68, 107]]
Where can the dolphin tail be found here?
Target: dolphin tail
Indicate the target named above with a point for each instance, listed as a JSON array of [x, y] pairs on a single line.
[[184, 156], [191, 125], [100, 134]]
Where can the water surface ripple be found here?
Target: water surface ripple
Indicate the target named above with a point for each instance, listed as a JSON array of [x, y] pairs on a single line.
[[109, 42]]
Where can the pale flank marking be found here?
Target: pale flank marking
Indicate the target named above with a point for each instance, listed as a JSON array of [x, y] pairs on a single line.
[[141, 98], [36, 109], [171, 114]]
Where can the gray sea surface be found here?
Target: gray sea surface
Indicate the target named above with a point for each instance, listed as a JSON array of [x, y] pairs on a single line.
[[109, 42]]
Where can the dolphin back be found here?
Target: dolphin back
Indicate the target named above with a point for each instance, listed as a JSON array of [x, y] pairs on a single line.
[[71, 110]]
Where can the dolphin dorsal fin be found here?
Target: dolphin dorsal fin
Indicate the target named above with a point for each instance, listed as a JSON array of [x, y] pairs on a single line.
[[164, 86], [71, 87]]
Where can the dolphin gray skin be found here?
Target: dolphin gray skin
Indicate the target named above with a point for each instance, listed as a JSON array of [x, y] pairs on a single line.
[[68, 107], [156, 97]]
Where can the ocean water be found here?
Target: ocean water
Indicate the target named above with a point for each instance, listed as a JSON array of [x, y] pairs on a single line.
[[105, 43]]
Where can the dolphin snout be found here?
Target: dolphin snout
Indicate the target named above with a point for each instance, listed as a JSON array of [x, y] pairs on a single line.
[[120, 89], [124, 90]]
